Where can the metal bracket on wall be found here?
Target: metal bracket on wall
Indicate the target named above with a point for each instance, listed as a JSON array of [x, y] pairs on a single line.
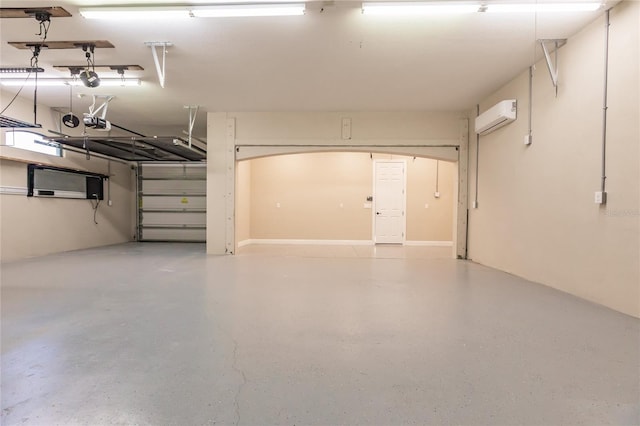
[[553, 68], [159, 67], [193, 112], [105, 99]]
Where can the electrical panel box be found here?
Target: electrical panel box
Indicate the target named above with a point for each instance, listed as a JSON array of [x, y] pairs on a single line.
[[95, 188]]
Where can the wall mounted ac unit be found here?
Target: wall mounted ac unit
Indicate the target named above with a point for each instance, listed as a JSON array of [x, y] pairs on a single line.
[[499, 115]]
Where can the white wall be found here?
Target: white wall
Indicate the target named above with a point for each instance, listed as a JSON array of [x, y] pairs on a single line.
[[322, 196], [32, 226], [536, 216], [243, 201]]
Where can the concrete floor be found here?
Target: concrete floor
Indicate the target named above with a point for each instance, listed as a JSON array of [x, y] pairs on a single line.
[[163, 334]]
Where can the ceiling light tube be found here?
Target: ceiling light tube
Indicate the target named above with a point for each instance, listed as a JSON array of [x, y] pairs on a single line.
[[417, 8], [543, 7], [241, 10], [138, 13], [42, 82]]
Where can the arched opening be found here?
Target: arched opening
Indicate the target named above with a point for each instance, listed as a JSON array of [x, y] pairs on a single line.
[[328, 198]]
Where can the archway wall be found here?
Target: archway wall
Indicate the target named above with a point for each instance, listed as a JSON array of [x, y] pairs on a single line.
[[328, 198], [233, 136]]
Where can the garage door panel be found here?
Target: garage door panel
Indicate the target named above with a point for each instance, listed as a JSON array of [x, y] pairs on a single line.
[[159, 234], [172, 202], [174, 219], [181, 171], [169, 187]]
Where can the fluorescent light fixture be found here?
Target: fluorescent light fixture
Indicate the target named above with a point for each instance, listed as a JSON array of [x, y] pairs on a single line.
[[177, 12], [20, 70], [417, 8], [543, 7], [283, 9], [42, 82], [138, 13]]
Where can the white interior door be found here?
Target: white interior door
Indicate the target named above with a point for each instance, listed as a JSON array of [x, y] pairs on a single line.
[[389, 201]]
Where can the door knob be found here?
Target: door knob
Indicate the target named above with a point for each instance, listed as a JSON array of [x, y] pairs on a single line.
[[377, 213]]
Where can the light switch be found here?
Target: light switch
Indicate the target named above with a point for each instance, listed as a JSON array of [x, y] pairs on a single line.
[[278, 205], [426, 206]]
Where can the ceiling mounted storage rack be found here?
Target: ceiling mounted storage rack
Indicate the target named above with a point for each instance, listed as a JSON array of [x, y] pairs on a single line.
[[31, 12], [136, 148], [100, 67], [73, 44]]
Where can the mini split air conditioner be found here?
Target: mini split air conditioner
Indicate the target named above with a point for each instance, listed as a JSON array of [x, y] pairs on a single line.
[[499, 115]]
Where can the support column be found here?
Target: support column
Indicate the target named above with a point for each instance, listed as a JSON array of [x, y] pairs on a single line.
[[216, 182], [461, 224], [230, 184]]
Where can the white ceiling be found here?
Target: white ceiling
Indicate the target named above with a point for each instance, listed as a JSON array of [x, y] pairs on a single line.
[[332, 58]]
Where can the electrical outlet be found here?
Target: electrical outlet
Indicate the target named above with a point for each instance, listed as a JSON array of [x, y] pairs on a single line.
[[528, 139], [600, 197], [475, 204], [436, 194], [110, 203]]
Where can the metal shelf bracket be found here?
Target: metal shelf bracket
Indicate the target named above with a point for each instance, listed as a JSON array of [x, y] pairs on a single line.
[[193, 111], [551, 46], [160, 68]]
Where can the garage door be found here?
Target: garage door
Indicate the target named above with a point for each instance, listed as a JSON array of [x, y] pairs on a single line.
[[172, 202]]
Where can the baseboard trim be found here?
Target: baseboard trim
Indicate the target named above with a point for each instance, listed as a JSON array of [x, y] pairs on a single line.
[[429, 243], [278, 241], [306, 242], [244, 243]]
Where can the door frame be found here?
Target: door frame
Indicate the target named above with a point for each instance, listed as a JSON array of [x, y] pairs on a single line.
[[404, 199]]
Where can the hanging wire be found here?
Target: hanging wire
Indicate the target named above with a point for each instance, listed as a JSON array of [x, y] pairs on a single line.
[[44, 20], [71, 98], [95, 208], [34, 64], [91, 58], [121, 74], [17, 94], [45, 23]]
